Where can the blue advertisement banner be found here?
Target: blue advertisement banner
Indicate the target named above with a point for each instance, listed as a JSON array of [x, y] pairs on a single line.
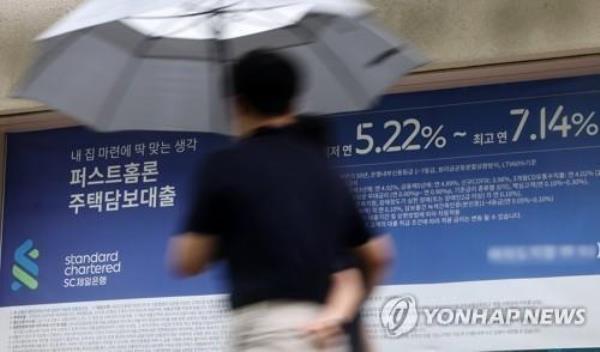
[[98, 210], [480, 183]]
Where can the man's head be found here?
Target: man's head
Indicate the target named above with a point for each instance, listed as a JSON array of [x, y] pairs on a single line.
[[265, 84]]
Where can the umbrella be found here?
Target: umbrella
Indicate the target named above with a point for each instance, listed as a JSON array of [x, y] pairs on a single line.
[[159, 64]]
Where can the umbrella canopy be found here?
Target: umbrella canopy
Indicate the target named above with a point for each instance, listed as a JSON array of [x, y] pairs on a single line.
[[160, 64]]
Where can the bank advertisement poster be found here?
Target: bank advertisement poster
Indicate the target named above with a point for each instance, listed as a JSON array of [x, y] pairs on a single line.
[[491, 193]]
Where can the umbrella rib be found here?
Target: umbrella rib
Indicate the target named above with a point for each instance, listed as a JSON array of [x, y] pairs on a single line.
[[330, 59], [267, 8], [290, 46], [219, 51], [194, 14], [381, 58], [221, 57], [212, 11], [229, 58], [117, 93], [215, 11], [176, 31]]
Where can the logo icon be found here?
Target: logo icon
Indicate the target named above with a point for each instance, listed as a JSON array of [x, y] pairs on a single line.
[[399, 316], [25, 271]]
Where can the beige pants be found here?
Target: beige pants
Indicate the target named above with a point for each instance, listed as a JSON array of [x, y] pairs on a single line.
[[275, 326]]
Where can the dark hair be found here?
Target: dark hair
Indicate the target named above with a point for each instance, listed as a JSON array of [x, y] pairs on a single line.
[[267, 82]]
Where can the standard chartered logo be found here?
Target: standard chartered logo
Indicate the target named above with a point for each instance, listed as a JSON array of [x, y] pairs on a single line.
[[25, 271]]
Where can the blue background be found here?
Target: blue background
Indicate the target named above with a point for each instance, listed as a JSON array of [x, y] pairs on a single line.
[[453, 253], [37, 198], [39, 164]]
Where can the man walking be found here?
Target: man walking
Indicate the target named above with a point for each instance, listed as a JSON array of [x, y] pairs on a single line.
[[275, 210]]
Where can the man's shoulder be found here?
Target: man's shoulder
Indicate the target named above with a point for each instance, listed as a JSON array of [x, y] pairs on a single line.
[[225, 158], [220, 157]]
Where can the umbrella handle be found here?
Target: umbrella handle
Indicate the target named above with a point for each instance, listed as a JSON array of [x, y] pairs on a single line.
[[221, 49]]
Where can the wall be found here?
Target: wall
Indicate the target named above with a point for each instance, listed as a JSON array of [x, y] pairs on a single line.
[[454, 33], [20, 22], [459, 33]]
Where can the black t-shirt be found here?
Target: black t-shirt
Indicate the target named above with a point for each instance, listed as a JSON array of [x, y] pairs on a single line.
[[282, 215]]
